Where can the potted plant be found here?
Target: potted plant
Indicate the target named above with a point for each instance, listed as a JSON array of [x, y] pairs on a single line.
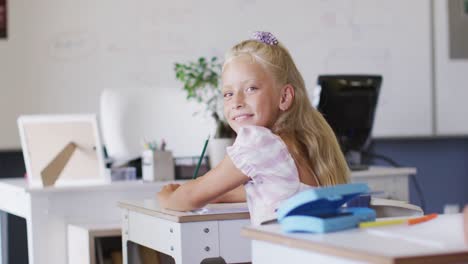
[[201, 80]]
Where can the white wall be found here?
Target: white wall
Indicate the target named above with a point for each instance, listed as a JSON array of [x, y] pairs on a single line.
[[61, 54]]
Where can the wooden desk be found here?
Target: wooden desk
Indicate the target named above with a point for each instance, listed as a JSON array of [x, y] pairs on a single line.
[[48, 211], [187, 236], [436, 241]]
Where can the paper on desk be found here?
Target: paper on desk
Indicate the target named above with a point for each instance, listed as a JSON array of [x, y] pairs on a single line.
[[222, 208], [439, 233]]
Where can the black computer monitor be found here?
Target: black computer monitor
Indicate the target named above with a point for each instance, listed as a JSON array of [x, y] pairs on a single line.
[[348, 103]]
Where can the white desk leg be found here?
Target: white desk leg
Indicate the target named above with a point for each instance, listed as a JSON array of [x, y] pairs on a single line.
[[233, 247], [185, 242], [3, 238], [125, 236], [47, 240], [198, 241]]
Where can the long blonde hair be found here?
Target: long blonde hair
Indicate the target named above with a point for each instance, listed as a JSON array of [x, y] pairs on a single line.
[[309, 138]]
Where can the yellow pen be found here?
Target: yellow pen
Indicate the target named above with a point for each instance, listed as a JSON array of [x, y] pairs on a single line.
[[382, 223], [410, 221]]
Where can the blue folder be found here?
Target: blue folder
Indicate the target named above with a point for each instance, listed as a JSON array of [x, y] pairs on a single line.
[[320, 210]]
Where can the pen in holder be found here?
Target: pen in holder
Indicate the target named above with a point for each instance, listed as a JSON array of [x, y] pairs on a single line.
[[158, 165], [195, 173]]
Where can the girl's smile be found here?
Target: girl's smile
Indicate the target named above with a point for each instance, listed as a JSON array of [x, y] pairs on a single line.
[[242, 117]]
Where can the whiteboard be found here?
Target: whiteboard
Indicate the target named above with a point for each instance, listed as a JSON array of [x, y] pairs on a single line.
[[451, 83], [68, 52]]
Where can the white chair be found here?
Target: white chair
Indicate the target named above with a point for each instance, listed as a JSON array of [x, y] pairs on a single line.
[[394, 208], [126, 116]]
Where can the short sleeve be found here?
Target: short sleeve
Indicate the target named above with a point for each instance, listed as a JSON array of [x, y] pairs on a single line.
[[256, 149]]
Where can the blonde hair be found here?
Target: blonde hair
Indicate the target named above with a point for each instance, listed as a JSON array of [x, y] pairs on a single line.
[[309, 138]]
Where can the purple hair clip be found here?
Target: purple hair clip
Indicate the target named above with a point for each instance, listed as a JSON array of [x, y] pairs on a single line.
[[265, 37]]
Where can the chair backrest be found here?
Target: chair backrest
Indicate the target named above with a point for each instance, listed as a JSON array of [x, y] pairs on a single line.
[[125, 118], [394, 208]]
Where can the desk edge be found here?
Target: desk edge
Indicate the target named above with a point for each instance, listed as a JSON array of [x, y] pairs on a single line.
[[264, 236], [184, 218]]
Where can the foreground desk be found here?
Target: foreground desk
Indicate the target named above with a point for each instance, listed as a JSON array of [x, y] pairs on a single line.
[[437, 241], [48, 211], [188, 237]]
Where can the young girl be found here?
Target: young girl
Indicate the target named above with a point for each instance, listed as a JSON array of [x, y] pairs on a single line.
[[283, 144]]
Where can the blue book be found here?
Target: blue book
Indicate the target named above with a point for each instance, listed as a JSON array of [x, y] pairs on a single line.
[[321, 210]]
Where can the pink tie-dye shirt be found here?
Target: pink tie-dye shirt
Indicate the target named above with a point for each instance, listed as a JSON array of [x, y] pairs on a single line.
[[264, 157]]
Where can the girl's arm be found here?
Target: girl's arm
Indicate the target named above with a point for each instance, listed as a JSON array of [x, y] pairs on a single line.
[[203, 190], [235, 196]]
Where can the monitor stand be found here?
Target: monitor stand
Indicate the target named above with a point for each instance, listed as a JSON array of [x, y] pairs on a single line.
[[358, 167], [353, 158]]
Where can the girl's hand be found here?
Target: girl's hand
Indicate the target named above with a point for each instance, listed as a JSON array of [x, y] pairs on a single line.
[[201, 191], [170, 187], [165, 193]]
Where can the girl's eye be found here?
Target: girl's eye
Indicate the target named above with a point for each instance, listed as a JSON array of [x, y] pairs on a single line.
[[251, 89], [227, 95]]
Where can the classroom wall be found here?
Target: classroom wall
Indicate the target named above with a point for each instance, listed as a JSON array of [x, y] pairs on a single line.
[[61, 54]]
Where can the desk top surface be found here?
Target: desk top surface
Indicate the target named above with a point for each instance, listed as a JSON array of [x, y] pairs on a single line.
[[226, 211], [439, 240], [21, 184], [381, 171]]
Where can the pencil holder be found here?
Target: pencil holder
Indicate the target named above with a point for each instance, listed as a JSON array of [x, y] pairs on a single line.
[[158, 165]]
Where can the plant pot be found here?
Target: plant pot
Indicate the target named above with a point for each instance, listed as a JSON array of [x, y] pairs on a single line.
[[217, 150]]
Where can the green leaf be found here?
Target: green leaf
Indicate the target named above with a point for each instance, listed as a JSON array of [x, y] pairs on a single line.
[[200, 79]]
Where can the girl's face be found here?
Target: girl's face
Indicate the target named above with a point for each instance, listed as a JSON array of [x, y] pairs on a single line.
[[251, 96]]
